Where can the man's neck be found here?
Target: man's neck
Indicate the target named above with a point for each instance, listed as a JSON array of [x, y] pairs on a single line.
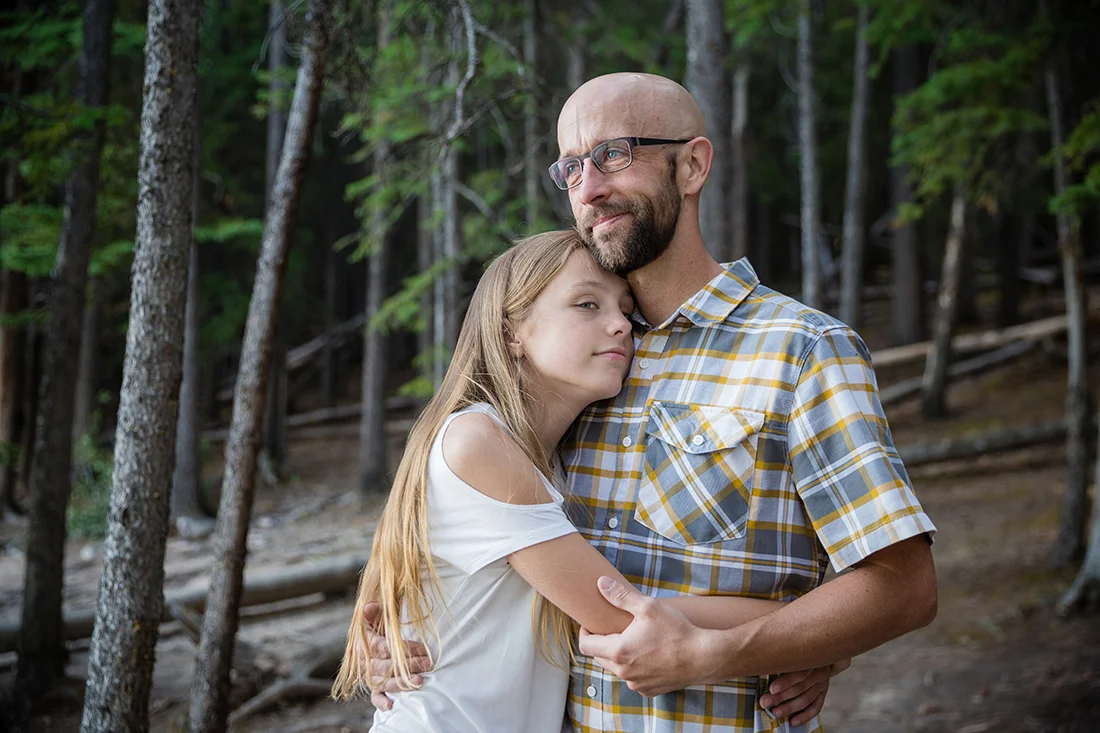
[[671, 280]]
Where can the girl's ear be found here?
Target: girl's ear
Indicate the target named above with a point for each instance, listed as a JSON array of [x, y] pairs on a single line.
[[515, 348]]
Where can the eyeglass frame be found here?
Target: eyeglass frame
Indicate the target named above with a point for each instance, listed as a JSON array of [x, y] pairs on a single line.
[[632, 142]]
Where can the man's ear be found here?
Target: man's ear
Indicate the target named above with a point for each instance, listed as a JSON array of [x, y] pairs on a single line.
[[699, 154]]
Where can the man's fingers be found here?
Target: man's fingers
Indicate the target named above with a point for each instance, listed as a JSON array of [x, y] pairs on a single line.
[[595, 645], [838, 667], [813, 710], [372, 614], [379, 647], [798, 703], [379, 700]]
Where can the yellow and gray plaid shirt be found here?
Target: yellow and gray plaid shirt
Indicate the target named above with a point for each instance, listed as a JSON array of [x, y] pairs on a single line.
[[747, 449]]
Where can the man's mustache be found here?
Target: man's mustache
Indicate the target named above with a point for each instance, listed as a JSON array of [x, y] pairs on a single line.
[[594, 215]]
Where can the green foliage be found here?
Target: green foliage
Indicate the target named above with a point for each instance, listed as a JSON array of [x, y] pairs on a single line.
[[1080, 150], [91, 497], [959, 127]]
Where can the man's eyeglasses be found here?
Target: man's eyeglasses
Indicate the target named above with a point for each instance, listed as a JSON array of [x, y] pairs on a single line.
[[610, 157]]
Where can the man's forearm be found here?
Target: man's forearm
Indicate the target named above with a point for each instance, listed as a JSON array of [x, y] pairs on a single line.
[[890, 594]]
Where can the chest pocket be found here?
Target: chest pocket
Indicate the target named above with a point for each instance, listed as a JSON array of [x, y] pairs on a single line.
[[696, 484]]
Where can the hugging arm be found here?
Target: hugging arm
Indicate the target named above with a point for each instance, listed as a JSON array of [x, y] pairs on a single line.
[[564, 570]]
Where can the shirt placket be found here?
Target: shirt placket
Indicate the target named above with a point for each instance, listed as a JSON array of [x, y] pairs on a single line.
[[647, 363]]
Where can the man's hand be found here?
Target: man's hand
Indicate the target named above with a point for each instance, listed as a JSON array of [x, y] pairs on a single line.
[[801, 695], [659, 652], [382, 679], [662, 651]]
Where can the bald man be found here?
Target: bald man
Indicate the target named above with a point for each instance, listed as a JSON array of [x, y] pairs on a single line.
[[747, 450]]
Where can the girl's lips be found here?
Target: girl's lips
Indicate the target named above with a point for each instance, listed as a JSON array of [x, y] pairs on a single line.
[[613, 354]]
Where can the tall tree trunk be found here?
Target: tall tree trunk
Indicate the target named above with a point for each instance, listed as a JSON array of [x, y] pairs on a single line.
[[531, 148], [41, 645], [32, 381], [87, 370], [275, 423], [449, 204], [372, 440], [968, 286], [186, 508], [575, 62], [1070, 545], [934, 387], [128, 612], [807, 143], [708, 82], [854, 194], [332, 278], [668, 28], [907, 323], [739, 163], [209, 707], [13, 298], [425, 240], [1006, 253]]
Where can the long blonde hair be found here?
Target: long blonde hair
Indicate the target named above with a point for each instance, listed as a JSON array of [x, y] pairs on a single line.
[[483, 369]]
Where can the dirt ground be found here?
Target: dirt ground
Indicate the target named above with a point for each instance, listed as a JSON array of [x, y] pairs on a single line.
[[997, 658]]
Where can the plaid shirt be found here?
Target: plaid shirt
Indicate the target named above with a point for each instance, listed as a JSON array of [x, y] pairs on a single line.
[[747, 449]]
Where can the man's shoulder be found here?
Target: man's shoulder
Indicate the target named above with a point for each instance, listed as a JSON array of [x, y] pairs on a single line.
[[767, 307]]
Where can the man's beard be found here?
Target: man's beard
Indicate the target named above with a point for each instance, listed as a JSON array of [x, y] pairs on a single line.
[[654, 224]]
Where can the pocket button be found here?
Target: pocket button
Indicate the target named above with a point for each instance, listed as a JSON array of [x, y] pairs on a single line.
[[698, 440]]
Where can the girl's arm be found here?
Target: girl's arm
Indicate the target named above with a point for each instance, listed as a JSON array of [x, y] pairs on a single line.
[[564, 570]]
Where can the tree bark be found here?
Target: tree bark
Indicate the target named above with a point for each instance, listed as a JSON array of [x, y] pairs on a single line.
[[532, 172], [739, 162], [668, 27], [120, 663], [708, 82], [907, 308], [947, 303], [87, 370], [185, 505], [1007, 253], [372, 442], [275, 422], [42, 650], [854, 194], [1071, 543], [209, 708], [425, 240], [32, 380], [807, 139], [13, 298]]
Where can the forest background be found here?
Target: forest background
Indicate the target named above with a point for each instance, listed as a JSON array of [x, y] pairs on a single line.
[[926, 170]]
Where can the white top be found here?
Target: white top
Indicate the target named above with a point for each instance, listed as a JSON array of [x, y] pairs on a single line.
[[489, 676]]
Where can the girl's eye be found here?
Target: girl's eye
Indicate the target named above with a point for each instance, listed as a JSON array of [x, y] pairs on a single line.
[[587, 305]]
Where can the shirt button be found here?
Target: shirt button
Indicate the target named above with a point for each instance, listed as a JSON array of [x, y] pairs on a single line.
[[591, 690], [613, 522], [697, 440], [627, 442], [644, 363]]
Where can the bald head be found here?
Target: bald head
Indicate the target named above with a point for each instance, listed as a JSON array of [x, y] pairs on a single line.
[[627, 104]]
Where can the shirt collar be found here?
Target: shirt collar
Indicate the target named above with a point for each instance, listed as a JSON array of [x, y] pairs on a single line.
[[717, 299]]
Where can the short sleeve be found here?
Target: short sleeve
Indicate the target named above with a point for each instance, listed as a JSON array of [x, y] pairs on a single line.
[[846, 469], [470, 530]]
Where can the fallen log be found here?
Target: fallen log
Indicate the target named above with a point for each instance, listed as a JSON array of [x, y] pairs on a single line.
[[260, 587], [992, 441], [292, 688], [323, 432], [910, 387], [970, 342]]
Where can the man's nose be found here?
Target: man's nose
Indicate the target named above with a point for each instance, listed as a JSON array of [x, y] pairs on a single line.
[[593, 186]]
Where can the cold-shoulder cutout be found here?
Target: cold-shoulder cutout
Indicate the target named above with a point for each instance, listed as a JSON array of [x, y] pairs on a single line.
[[480, 452]]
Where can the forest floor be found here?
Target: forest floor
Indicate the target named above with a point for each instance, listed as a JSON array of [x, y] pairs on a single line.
[[997, 657]]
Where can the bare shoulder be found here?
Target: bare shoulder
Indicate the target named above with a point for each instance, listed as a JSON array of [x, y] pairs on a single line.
[[484, 455]]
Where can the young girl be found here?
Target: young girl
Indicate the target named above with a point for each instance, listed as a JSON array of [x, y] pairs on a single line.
[[474, 554]]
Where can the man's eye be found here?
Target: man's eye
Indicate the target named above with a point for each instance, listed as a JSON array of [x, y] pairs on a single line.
[[572, 168], [612, 154]]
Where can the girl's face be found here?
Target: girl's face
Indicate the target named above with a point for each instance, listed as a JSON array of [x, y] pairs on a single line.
[[577, 336]]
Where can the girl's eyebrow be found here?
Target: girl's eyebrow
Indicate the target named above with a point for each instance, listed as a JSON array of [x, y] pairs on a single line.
[[588, 284]]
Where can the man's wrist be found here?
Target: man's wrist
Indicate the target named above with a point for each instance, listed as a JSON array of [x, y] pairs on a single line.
[[709, 655]]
